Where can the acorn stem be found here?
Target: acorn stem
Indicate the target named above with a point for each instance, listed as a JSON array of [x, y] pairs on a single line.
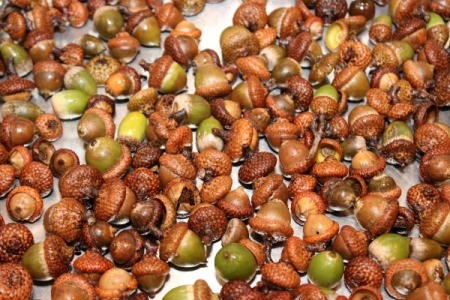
[[318, 128], [268, 249], [144, 64], [223, 134]]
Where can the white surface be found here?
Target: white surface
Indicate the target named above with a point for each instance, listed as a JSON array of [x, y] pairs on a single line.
[[211, 21]]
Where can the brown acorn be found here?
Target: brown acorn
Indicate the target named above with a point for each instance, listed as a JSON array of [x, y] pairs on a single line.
[[143, 182], [269, 188], [350, 243], [151, 273], [70, 210], [20, 282], [6, 179], [256, 166], [184, 195], [236, 204], [434, 166], [208, 222], [92, 265], [15, 240], [432, 224], [72, 285], [367, 164], [281, 275], [306, 203], [116, 283], [363, 271], [123, 83], [175, 166], [296, 253], [127, 248], [216, 189], [80, 182], [38, 176], [422, 196], [19, 156], [24, 204], [236, 41], [376, 214], [62, 160], [16, 88], [300, 183], [16, 131]]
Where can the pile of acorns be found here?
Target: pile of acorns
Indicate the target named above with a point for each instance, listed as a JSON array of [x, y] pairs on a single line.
[[154, 185]]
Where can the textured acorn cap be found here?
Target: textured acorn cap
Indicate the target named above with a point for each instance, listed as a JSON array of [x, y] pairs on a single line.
[[76, 282], [281, 275]]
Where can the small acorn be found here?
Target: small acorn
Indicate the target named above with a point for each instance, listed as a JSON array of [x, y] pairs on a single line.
[[388, 248], [20, 58], [21, 282], [234, 262], [151, 273], [205, 138], [90, 44], [72, 285], [193, 108], [78, 78], [198, 290], [131, 130], [116, 283], [123, 83], [326, 269]]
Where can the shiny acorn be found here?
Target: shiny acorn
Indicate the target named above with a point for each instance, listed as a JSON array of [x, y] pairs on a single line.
[[78, 78], [69, 104], [108, 21]]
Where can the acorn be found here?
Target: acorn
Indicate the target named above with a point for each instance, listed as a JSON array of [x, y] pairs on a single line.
[[40, 45], [286, 21], [328, 101], [62, 160], [72, 285], [185, 27], [123, 83], [234, 262], [166, 75], [269, 188], [20, 281], [250, 93], [193, 108], [81, 182], [398, 144], [108, 156], [182, 48], [19, 156], [393, 53], [436, 29], [24, 204], [237, 40], [352, 81], [19, 108], [363, 271], [19, 57], [367, 164], [326, 269], [205, 138], [101, 67], [127, 248], [108, 21], [15, 239], [91, 265], [48, 259], [376, 214], [318, 231], [336, 34], [280, 275], [286, 68], [124, 47], [432, 223], [16, 88], [69, 104], [208, 222], [235, 232], [388, 248], [94, 123], [90, 44], [273, 54], [151, 273], [211, 82], [143, 182], [49, 127], [182, 247], [78, 78], [16, 131], [168, 16], [116, 283], [350, 243], [131, 130]]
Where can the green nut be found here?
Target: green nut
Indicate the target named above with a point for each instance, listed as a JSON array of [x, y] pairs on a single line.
[[78, 78], [191, 251], [195, 107], [21, 60], [148, 32], [132, 128], [327, 90], [103, 153], [397, 130], [240, 95], [108, 21], [326, 269], [20, 108], [209, 74], [175, 80], [388, 248], [34, 261], [91, 45], [434, 20], [423, 249], [69, 104], [235, 262], [205, 138], [403, 51]]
